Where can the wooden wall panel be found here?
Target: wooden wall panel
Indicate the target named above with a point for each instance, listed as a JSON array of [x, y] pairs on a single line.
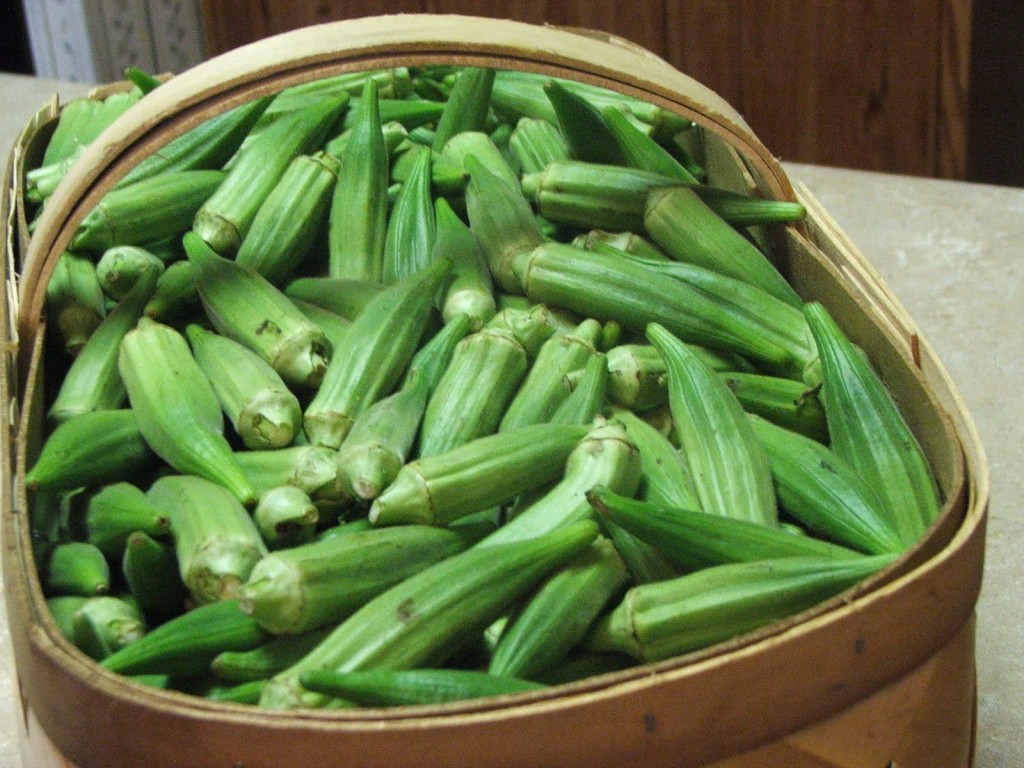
[[873, 84]]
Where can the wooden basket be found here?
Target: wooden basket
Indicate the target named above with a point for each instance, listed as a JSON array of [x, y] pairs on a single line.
[[883, 674]]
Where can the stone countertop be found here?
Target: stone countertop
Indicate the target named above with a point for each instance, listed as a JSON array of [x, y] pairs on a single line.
[[953, 253]]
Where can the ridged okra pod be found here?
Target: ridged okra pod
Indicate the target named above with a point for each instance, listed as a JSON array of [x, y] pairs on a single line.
[[224, 219], [446, 176], [175, 294], [265, 661], [660, 620], [475, 476], [75, 302], [476, 388], [92, 448], [786, 402], [467, 105], [176, 408], [93, 383], [75, 568], [390, 83], [150, 570], [687, 229], [262, 409], [411, 226], [373, 355], [409, 687], [639, 150], [589, 394], [556, 618], [728, 464], [664, 473], [537, 143], [285, 228], [381, 440], [585, 131], [604, 455], [357, 223], [868, 431], [185, 645], [334, 326], [480, 145], [692, 540], [215, 538], [117, 510], [147, 211], [419, 621], [502, 220], [321, 583], [608, 287], [285, 516], [120, 267], [106, 624], [310, 468], [824, 493], [471, 290], [207, 146], [433, 358], [544, 389], [243, 305]]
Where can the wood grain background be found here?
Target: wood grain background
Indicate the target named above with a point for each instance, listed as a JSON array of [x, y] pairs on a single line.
[[870, 84]]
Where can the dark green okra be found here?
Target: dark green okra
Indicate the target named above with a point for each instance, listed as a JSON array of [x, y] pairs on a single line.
[[411, 226], [117, 510], [150, 569], [386, 688], [471, 290]]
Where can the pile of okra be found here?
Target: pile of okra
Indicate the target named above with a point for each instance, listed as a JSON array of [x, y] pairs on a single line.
[[422, 384]]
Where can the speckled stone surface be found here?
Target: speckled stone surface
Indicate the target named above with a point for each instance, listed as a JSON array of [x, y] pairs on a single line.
[[953, 254]]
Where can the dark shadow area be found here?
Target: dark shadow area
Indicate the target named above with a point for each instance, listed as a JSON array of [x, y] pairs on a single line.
[[15, 54]]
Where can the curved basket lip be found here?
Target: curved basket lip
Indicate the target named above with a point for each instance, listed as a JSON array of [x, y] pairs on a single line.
[[320, 50]]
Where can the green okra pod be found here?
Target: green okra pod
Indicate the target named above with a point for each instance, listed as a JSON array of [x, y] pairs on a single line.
[[225, 217], [728, 464], [117, 510], [319, 584], [357, 223], [285, 516], [476, 475], [208, 146], [660, 620], [185, 645], [788, 403], [92, 448], [381, 440], [175, 293], [687, 229], [175, 407], [243, 305], [332, 324], [75, 568], [374, 354], [588, 397], [480, 145], [289, 221], [692, 540], [502, 220], [340, 295], [818, 488], [310, 468], [93, 382], [120, 267], [215, 539], [608, 287], [433, 358], [543, 388], [603, 455], [868, 431], [446, 176], [586, 133], [639, 150], [418, 621], [150, 210], [556, 618], [150, 570], [467, 105], [536, 143], [262, 409], [265, 661], [387, 688], [471, 290], [665, 475], [411, 225], [104, 625], [75, 300]]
